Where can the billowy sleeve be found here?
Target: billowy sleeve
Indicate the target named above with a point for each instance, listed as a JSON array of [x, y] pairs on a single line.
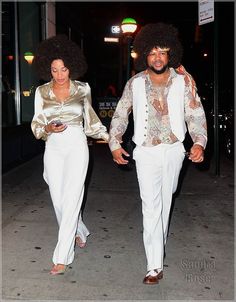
[[39, 120], [120, 119], [195, 117], [93, 127]]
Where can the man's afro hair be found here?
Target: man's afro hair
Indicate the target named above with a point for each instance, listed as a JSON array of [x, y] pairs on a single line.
[[59, 47], [161, 35]]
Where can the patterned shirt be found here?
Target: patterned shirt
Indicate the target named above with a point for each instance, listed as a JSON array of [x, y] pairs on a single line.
[[158, 124]]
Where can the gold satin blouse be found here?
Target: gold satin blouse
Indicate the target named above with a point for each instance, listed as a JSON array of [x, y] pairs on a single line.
[[76, 110]]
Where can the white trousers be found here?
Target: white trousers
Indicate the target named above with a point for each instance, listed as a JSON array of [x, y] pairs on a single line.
[[65, 166], [158, 171]]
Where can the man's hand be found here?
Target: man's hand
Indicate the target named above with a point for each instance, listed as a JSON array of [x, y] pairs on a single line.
[[118, 158], [196, 154]]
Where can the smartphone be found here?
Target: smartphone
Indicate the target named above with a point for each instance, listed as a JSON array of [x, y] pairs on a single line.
[[57, 123]]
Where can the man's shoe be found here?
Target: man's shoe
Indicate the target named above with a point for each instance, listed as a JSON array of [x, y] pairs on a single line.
[[153, 277]]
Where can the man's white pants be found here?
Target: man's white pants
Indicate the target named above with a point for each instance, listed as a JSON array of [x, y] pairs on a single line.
[[158, 171], [65, 166]]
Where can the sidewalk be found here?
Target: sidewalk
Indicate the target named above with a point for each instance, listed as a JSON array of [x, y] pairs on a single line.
[[199, 263]]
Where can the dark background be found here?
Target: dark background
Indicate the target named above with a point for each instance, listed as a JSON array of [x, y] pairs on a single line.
[[87, 23]]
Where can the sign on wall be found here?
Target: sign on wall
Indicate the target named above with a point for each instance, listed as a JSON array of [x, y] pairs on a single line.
[[205, 11]]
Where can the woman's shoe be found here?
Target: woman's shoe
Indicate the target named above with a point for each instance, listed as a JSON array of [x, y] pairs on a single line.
[[58, 269], [79, 242]]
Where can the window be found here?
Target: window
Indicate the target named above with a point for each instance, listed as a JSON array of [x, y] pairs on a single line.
[[21, 33]]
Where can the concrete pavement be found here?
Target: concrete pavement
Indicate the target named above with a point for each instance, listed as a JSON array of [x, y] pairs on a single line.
[[199, 263]]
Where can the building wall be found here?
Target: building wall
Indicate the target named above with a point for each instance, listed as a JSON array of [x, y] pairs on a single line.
[[50, 19], [24, 25]]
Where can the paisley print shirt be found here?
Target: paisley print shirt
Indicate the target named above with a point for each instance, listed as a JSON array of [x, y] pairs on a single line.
[[159, 129]]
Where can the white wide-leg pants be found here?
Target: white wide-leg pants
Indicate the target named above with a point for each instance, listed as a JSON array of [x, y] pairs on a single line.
[[158, 171], [65, 166]]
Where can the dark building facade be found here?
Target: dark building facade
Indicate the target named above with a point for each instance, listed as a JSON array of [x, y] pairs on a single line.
[[24, 25]]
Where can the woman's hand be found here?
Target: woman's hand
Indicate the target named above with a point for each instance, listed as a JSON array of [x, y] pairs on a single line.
[[54, 128]]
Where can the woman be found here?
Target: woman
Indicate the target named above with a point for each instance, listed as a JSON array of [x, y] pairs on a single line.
[[63, 117]]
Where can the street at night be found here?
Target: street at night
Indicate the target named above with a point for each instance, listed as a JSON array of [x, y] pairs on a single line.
[[199, 254], [88, 24], [199, 261]]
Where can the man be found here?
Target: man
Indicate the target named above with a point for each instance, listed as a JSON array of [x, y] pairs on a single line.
[[164, 100]]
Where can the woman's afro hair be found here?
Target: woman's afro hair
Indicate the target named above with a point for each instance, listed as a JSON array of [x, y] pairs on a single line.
[[59, 47], [157, 35]]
